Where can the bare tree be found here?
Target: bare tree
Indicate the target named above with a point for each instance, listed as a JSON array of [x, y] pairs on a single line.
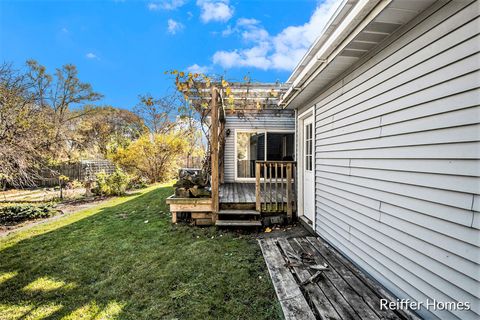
[[36, 120], [60, 93], [22, 130], [158, 113]]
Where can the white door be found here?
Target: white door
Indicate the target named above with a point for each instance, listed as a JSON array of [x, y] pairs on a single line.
[[308, 173]]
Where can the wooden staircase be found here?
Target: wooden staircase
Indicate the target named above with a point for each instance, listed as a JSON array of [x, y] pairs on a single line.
[[238, 218]]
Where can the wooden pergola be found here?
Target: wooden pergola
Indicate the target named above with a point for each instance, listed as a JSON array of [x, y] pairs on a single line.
[[243, 100], [215, 103]]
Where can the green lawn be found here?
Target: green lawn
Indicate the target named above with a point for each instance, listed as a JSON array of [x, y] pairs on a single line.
[[107, 263]]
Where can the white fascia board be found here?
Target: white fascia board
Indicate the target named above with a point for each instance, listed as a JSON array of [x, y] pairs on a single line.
[[357, 19], [326, 32]]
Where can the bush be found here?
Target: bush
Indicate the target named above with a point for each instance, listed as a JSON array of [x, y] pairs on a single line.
[[14, 214], [154, 157], [75, 184], [138, 183], [114, 184]]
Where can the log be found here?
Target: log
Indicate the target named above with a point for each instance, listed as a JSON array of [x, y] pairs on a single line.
[[199, 192]]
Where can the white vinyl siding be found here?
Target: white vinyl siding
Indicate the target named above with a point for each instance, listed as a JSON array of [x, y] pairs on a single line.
[[397, 160]]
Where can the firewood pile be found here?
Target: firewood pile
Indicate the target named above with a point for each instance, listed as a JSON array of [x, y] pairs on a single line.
[[192, 183]]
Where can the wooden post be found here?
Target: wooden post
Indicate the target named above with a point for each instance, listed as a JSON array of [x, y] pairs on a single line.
[[294, 186], [276, 187], [221, 146], [174, 217], [61, 189], [281, 187], [289, 191], [264, 164], [270, 185], [257, 187], [214, 153]]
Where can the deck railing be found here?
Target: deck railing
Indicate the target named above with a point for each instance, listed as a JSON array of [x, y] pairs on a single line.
[[274, 186]]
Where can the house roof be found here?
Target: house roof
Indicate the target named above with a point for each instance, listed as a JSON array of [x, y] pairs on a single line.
[[356, 28]]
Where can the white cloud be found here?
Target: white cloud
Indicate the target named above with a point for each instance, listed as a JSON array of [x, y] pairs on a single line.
[[165, 5], [195, 68], [152, 6], [249, 29], [282, 51], [91, 55], [64, 30], [247, 22], [227, 59], [215, 10], [174, 26], [253, 57], [228, 31]]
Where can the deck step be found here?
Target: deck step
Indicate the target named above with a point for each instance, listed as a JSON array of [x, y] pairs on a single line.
[[239, 212], [238, 223]]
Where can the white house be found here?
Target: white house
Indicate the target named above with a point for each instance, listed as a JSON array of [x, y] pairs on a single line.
[[378, 132], [389, 98]]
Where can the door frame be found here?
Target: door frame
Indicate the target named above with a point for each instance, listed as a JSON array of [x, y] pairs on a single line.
[[310, 112]]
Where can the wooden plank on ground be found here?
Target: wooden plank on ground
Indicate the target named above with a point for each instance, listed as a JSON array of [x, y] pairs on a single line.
[[368, 295], [238, 223], [203, 222], [291, 299], [378, 291], [201, 215], [341, 305], [355, 298], [317, 297]]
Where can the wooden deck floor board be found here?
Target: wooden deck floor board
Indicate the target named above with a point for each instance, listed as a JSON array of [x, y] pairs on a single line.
[[343, 292], [370, 297], [245, 193], [351, 297], [291, 299], [237, 193], [236, 197], [320, 302], [334, 294], [370, 290]]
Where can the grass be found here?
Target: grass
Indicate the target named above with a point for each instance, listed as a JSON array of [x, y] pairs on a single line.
[[108, 262]]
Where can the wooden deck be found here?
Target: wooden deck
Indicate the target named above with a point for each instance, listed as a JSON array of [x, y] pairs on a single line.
[[237, 193], [245, 193], [341, 292]]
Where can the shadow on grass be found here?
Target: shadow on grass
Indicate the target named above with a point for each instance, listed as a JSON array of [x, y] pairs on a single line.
[[129, 262]]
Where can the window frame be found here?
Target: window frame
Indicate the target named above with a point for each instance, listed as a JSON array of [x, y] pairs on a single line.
[[264, 131]]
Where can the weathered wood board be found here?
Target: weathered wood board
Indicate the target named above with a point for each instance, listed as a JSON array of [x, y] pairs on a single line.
[[341, 291], [289, 295], [202, 206]]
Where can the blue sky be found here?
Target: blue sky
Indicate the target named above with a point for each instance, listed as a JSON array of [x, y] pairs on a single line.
[[123, 47]]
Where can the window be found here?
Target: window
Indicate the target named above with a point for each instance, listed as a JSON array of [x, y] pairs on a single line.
[[259, 146], [250, 148], [309, 147]]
